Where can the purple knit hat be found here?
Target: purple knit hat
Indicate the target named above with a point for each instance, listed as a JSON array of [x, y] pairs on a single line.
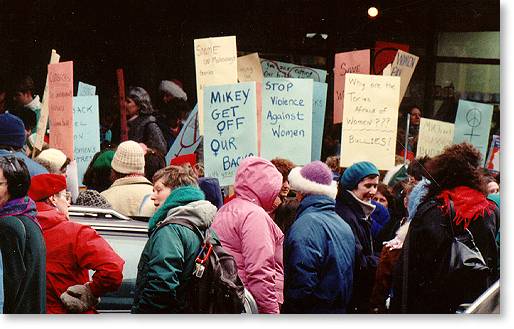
[[313, 178]]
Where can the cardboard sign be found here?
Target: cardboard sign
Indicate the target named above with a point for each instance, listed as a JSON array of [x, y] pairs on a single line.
[[493, 158], [216, 64], [230, 129], [85, 90], [188, 138], [370, 120], [319, 101], [472, 124], [403, 66], [349, 62], [86, 132], [60, 88], [287, 119], [433, 137], [276, 69], [385, 52], [249, 68]]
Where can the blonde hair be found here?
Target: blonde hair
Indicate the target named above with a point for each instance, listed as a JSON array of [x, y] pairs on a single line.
[[176, 176]]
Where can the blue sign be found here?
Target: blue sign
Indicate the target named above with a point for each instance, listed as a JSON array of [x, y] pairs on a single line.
[[86, 131], [319, 102], [276, 69]]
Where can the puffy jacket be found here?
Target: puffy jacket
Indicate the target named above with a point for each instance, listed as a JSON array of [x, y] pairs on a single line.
[[319, 255], [72, 249], [144, 129], [127, 194], [250, 235], [33, 167]]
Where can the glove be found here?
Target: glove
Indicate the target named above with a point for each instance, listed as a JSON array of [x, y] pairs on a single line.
[[79, 298]]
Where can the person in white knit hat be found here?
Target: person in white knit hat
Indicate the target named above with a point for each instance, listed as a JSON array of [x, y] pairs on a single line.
[[54, 160], [130, 185]]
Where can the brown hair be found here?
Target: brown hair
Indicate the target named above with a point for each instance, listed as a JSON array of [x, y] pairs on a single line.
[[176, 176], [284, 166]]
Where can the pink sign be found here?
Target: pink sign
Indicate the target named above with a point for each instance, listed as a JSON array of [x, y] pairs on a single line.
[[60, 105], [349, 62]]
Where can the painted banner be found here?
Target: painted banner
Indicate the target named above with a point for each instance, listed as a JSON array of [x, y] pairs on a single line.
[[385, 52], [349, 62], [43, 117], [86, 131], [472, 124], [85, 90], [230, 129], [287, 119], [319, 102], [433, 137], [60, 104], [370, 120], [276, 69], [403, 66], [249, 68], [188, 138], [493, 158], [216, 64]]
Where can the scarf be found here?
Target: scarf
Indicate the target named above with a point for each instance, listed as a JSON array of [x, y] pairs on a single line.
[[178, 197], [469, 204], [24, 206]]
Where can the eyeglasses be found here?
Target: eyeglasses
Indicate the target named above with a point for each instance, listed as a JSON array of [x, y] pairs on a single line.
[[66, 195]]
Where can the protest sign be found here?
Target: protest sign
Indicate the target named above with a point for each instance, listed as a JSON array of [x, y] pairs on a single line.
[[433, 137], [385, 52], [287, 119], [472, 124], [121, 101], [276, 69], [216, 64], [43, 118], [188, 138], [60, 105], [370, 120], [72, 183], [258, 87], [230, 129], [493, 158], [403, 66], [319, 101], [249, 68], [86, 131], [85, 90], [349, 62]]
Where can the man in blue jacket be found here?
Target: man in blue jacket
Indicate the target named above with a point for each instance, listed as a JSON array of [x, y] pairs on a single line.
[[319, 248]]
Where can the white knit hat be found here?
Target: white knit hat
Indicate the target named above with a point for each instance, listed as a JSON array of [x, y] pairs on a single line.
[[129, 158], [173, 89], [53, 158]]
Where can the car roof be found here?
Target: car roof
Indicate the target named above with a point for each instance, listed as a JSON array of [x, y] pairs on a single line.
[[107, 219]]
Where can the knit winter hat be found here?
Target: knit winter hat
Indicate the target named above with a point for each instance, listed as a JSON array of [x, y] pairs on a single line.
[[53, 158], [104, 160], [142, 99], [129, 158], [12, 131], [356, 172], [45, 185], [173, 89], [314, 178], [91, 198]]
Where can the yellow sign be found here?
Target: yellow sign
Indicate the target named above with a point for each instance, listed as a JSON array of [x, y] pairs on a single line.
[[433, 137], [249, 68]]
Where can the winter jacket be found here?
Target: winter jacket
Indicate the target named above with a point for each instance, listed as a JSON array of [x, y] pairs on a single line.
[[168, 260], [366, 259], [380, 217], [72, 249], [24, 256], [250, 235], [1, 284], [126, 194], [144, 129], [211, 187], [33, 167], [424, 260], [319, 254]]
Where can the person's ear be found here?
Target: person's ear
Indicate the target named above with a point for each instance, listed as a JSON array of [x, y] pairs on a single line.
[[52, 200]]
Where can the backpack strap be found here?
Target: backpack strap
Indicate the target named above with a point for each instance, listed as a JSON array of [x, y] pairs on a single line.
[[181, 221]]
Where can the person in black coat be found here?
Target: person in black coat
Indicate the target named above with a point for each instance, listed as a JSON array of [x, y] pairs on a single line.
[[357, 186]]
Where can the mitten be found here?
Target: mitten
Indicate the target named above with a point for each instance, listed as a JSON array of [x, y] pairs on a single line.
[[82, 293]]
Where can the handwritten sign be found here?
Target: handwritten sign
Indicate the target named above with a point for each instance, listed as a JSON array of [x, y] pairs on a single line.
[[493, 158], [249, 68], [370, 120], [319, 101], [385, 52], [433, 137], [60, 80], [287, 119], [472, 124], [276, 69], [349, 62], [86, 131], [85, 90], [230, 129], [216, 64], [403, 66], [188, 138]]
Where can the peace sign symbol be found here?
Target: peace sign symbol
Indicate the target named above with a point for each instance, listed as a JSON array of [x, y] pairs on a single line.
[[474, 118]]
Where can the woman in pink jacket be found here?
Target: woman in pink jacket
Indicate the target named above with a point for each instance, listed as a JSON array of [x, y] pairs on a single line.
[[247, 231]]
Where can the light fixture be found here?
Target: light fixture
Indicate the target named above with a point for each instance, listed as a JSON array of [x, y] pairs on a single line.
[[372, 12], [312, 35]]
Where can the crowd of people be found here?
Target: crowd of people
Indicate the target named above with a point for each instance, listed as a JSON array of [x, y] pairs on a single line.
[[306, 239]]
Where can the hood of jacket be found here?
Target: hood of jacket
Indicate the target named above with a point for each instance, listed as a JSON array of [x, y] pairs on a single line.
[[317, 203], [258, 181], [49, 216], [199, 213]]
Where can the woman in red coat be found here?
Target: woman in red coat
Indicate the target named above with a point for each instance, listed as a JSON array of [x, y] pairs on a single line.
[[72, 249]]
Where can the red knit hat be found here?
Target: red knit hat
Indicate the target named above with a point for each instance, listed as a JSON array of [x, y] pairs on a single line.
[[45, 185]]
